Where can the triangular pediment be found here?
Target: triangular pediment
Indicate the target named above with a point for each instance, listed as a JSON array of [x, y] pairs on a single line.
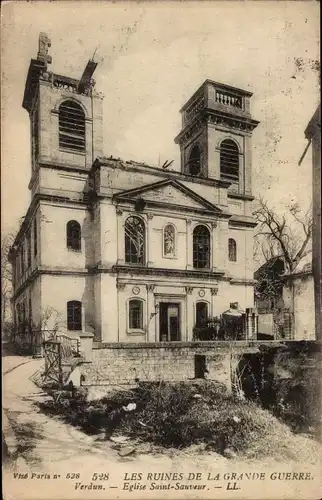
[[168, 192]]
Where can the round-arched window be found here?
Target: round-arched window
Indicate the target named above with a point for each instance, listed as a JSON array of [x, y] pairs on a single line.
[[201, 247], [194, 162], [229, 160], [71, 119]]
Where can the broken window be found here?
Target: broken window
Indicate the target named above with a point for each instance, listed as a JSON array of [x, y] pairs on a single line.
[[169, 240], [74, 235], [201, 247], [134, 240], [71, 126], [194, 162], [232, 250], [229, 160], [74, 315], [135, 314], [201, 313]]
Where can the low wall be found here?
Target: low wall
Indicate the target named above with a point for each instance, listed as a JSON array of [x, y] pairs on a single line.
[[125, 364]]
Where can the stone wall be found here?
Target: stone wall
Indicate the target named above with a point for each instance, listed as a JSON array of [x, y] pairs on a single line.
[[125, 364]]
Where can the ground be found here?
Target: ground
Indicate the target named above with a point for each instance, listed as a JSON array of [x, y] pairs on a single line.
[[47, 445]]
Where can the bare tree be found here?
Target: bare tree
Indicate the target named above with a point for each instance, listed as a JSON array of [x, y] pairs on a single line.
[[287, 236], [6, 278]]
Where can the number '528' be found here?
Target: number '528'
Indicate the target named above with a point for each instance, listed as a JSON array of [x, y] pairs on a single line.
[[72, 475], [100, 477]]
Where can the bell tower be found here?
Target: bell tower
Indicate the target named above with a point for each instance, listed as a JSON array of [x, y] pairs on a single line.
[[215, 140], [65, 115]]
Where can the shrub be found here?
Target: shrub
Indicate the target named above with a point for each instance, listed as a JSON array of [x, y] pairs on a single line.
[[179, 415]]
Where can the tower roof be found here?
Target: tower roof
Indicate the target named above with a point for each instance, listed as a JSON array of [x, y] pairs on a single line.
[[217, 85]]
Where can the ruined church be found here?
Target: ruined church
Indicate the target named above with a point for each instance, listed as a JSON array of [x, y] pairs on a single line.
[[124, 251]]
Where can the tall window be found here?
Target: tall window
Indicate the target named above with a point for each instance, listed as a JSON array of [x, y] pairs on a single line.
[[71, 126], [74, 315], [201, 313], [229, 160], [74, 235], [35, 237], [134, 240], [169, 240], [194, 162], [232, 250], [28, 249], [135, 314], [22, 259], [201, 247]]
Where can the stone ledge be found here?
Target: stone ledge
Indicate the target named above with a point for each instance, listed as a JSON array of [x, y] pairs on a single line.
[[222, 344]]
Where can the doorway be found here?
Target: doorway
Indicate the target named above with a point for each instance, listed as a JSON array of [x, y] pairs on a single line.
[[169, 322]]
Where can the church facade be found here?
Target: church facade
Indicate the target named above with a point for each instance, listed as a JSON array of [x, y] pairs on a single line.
[[127, 251]]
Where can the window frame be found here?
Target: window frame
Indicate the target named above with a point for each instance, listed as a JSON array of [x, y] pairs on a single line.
[[72, 239], [224, 175], [232, 251], [206, 303], [131, 329], [79, 321], [68, 134], [196, 259], [128, 255]]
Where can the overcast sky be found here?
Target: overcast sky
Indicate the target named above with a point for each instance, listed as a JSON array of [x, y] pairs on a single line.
[[153, 57]]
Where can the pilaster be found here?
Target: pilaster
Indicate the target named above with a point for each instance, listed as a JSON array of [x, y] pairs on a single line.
[[189, 263]]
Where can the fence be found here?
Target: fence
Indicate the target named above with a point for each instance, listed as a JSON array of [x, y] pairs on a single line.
[[32, 342]]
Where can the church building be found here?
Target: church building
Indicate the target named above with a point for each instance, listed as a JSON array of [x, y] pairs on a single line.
[[124, 250]]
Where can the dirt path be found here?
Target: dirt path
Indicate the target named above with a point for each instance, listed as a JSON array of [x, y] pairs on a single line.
[[49, 446]]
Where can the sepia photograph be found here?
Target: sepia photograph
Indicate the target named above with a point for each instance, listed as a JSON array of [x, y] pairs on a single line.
[[161, 250]]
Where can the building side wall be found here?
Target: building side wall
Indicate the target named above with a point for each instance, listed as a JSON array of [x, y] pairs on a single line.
[[57, 290], [55, 254], [298, 296]]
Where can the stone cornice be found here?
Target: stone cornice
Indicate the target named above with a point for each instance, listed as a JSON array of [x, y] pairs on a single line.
[[182, 209], [241, 123], [240, 196], [238, 281], [155, 271], [55, 166], [241, 221], [122, 270], [51, 271]]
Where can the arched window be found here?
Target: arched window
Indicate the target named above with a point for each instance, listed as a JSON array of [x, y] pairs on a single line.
[[74, 235], [201, 313], [71, 126], [232, 250], [74, 315], [194, 162], [135, 314], [229, 160], [201, 247], [134, 240], [169, 240]]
